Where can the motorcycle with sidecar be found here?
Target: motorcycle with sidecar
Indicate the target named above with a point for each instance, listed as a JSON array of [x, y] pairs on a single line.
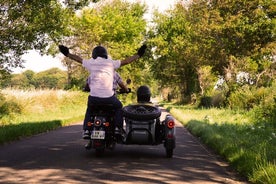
[[142, 126]]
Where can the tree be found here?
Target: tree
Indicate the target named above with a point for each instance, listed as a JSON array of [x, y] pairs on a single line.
[[175, 62], [53, 78], [117, 25], [245, 41], [28, 25], [228, 36]]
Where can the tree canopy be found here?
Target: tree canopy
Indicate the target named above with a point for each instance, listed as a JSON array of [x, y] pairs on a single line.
[[49, 79], [192, 47], [230, 37], [27, 25], [117, 25]]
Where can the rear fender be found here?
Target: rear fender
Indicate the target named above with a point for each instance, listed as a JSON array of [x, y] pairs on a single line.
[[98, 144], [170, 131]]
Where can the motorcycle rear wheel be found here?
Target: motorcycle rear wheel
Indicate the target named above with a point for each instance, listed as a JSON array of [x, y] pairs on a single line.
[[99, 152], [169, 153]]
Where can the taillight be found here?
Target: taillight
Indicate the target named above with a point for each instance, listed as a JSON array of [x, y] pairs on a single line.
[[170, 124], [97, 123], [89, 124]]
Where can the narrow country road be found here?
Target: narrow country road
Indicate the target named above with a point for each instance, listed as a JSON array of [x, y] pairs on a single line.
[[59, 157]]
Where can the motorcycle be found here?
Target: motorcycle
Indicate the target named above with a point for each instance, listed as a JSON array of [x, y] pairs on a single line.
[[142, 126]]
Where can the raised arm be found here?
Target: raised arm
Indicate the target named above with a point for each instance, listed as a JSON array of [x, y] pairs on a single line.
[[65, 51], [141, 51], [75, 57], [129, 59]]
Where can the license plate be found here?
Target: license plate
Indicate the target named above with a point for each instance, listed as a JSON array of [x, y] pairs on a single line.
[[98, 134]]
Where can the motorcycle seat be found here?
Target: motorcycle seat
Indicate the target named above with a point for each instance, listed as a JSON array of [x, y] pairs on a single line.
[[103, 109]]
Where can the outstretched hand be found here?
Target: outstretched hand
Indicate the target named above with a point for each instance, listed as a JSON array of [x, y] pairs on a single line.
[[63, 49], [142, 50]]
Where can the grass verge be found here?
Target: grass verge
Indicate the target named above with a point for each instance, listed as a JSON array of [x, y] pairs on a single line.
[[39, 111], [249, 148]]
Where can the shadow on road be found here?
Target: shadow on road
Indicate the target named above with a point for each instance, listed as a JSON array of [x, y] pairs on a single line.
[[59, 156]]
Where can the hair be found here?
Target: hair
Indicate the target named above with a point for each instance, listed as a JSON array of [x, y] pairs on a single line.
[[99, 51]]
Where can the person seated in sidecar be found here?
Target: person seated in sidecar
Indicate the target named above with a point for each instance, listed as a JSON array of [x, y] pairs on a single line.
[[143, 94], [101, 78]]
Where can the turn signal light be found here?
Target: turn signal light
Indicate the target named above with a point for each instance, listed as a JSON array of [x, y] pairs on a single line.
[[170, 124], [89, 123], [106, 124]]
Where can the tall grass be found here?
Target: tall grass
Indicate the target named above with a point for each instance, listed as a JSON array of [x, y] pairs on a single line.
[[38, 111], [249, 148]]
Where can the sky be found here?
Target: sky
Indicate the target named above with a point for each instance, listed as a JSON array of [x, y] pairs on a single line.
[[37, 63]]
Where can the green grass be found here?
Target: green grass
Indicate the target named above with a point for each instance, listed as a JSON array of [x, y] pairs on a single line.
[[249, 148], [39, 111], [29, 112]]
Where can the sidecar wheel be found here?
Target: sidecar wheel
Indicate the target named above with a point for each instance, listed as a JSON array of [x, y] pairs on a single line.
[[141, 112], [169, 153]]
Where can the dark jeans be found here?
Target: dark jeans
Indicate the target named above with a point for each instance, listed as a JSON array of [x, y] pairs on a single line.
[[111, 100]]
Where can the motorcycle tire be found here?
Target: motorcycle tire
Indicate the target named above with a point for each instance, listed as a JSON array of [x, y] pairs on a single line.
[[169, 153], [141, 112], [99, 152]]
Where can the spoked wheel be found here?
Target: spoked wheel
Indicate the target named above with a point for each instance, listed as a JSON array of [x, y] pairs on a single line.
[[141, 112], [169, 153]]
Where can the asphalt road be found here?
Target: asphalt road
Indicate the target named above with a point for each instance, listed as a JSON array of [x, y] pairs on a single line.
[[59, 157]]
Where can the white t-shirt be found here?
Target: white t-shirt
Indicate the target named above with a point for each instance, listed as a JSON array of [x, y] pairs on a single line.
[[101, 76]]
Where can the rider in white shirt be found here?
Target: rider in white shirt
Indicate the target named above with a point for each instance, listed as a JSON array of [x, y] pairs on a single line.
[[101, 79]]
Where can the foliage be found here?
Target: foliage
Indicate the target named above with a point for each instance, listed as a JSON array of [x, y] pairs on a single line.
[[40, 111], [265, 111], [9, 107], [28, 25], [53, 78], [117, 25], [249, 97], [43, 105], [234, 136], [191, 46], [230, 37], [170, 39]]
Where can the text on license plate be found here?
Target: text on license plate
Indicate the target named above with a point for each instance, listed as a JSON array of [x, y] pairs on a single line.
[[98, 134]]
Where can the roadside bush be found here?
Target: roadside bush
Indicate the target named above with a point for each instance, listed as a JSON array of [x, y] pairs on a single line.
[[243, 98], [9, 107], [248, 97], [217, 100], [265, 112], [205, 101], [2, 99], [261, 102]]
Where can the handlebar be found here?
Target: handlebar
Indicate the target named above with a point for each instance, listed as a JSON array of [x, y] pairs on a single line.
[[121, 91]]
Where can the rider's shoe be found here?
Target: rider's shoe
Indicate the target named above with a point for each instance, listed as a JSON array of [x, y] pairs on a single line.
[[88, 145], [86, 134]]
